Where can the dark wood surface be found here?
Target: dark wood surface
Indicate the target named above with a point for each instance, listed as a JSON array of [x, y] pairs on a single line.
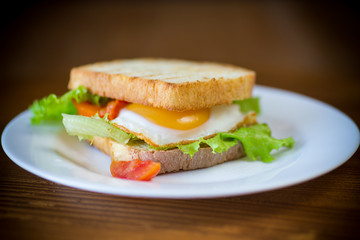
[[312, 49]]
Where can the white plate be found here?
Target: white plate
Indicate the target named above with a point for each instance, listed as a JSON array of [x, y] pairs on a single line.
[[325, 139]]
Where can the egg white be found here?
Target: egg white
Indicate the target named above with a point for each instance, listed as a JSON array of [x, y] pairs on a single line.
[[222, 118]]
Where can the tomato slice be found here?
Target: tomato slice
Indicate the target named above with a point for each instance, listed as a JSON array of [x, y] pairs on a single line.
[[86, 108], [112, 109], [135, 169]]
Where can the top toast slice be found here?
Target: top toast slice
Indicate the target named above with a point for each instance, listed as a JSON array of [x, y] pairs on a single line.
[[176, 85]]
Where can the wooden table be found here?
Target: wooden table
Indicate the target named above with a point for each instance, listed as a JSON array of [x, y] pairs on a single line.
[[309, 49]]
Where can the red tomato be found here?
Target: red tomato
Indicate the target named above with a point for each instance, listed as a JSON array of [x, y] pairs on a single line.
[[135, 169], [86, 108], [112, 109]]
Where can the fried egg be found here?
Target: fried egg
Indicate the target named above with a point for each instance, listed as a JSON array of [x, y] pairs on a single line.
[[159, 127]]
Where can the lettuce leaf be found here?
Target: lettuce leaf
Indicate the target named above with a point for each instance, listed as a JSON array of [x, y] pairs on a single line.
[[249, 104], [256, 140], [51, 107], [88, 127]]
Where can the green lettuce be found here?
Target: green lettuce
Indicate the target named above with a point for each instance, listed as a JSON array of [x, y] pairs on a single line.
[[256, 140], [88, 127], [51, 107], [249, 104]]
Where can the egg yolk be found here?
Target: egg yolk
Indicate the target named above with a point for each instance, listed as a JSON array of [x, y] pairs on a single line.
[[171, 119]]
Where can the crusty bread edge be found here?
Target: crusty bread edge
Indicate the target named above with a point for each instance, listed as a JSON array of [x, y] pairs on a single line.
[[171, 160], [160, 94]]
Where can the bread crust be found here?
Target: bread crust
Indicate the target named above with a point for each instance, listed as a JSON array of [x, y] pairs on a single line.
[[171, 160], [182, 96]]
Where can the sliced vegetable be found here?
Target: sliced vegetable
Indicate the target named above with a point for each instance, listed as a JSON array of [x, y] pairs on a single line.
[[86, 108], [112, 109], [89, 109], [87, 128], [135, 169]]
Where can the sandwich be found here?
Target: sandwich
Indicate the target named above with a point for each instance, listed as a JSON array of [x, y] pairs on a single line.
[[157, 116]]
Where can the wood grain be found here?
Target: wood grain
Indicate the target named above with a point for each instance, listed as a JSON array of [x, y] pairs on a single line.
[[307, 48]]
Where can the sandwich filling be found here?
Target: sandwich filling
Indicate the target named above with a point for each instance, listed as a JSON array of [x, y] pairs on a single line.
[[159, 127], [87, 115]]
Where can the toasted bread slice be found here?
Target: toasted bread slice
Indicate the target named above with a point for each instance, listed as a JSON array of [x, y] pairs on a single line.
[[175, 85], [171, 160]]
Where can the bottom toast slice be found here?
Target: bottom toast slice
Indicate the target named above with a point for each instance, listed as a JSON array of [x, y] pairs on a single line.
[[172, 160]]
